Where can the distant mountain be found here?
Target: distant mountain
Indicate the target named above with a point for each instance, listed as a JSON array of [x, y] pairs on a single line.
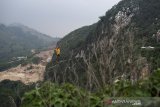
[[44, 37], [18, 40]]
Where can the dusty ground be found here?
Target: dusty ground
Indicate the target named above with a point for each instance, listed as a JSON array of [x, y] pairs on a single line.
[[29, 73]]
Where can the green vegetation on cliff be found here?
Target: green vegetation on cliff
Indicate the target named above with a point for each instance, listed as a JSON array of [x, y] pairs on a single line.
[[67, 95]]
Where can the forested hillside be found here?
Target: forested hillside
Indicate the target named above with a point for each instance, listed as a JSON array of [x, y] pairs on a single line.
[[17, 40]]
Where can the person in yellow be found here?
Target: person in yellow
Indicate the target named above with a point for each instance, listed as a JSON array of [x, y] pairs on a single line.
[[57, 51]]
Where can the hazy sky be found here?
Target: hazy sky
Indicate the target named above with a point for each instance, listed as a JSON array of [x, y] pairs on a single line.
[[53, 17]]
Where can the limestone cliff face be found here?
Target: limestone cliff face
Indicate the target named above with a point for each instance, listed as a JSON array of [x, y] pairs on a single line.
[[113, 50]]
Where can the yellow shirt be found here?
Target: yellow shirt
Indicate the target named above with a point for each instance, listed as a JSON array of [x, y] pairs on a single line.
[[57, 51]]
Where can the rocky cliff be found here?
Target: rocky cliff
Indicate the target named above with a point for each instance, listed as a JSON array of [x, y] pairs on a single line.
[[113, 50]]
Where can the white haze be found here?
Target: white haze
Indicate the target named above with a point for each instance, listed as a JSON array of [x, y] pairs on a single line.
[[53, 17]]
